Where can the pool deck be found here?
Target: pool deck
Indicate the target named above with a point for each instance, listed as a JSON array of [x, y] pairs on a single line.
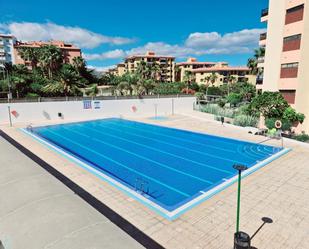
[[280, 191]]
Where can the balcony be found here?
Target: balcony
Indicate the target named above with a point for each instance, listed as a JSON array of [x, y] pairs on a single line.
[[264, 12], [263, 36], [264, 15], [261, 59], [259, 79]]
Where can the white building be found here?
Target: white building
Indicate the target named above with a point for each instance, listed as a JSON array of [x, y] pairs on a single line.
[[7, 49]]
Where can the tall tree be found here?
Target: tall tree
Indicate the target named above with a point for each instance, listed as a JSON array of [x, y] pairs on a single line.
[[253, 62], [51, 59], [30, 54]]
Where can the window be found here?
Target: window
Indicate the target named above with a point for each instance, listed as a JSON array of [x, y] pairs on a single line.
[[291, 43], [290, 65], [294, 14], [294, 9], [289, 95]]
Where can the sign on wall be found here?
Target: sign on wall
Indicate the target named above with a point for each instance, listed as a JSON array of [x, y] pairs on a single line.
[[97, 104], [87, 104]]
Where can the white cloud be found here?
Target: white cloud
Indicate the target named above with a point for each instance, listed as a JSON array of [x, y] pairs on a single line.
[[29, 31], [246, 37], [100, 69], [112, 54], [197, 44]]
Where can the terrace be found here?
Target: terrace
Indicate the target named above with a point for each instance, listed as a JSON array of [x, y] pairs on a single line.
[[277, 190]]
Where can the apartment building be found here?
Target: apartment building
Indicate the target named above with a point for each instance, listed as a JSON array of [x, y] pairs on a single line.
[[166, 64], [223, 72], [121, 69], [190, 64], [7, 49], [286, 62], [69, 51]]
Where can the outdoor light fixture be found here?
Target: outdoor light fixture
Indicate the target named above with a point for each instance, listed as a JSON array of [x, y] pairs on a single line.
[[241, 239]]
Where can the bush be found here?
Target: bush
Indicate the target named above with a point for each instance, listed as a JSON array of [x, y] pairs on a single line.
[[170, 88], [221, 102], [234, 98], [213, 90], [244, 120], [270, 124], [302, 137], [291, 115], [199, 95], [218, 111]]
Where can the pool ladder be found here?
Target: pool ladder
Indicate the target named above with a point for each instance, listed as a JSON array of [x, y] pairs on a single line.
[[141, 185]]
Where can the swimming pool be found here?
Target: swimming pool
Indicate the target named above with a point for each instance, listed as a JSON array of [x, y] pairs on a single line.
[[169, 170]]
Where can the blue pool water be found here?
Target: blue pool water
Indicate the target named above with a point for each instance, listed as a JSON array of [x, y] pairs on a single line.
[[168, 166]]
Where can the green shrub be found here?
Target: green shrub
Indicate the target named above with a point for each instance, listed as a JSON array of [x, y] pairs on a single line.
[[218, 111], [234, 98], [221, 102], [199, 95], [245, 120], [213, 90], [170, 88], [291, 115], [302, 137], [270, 124], [32, 95]]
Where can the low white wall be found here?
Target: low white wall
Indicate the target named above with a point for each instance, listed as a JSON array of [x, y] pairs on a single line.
[[74, 110]]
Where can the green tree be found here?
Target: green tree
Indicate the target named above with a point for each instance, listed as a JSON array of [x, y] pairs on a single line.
[[50, 58], [30, 54], [253, 62], [68, 82], [188, 79], [269, 104]]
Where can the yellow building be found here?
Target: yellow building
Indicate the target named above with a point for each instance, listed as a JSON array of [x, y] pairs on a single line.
[[166, 64], [222, 73], [286, 60], [189, 65], [121, 69]]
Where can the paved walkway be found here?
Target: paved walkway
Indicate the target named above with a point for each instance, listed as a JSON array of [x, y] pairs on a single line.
[[279, 190], [37, 211]]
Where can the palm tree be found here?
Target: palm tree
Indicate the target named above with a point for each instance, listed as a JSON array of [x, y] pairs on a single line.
[[51, 58], [30, 54], [188, 78], [92, 91], [207, 79], [68, 82], [253, 62], [230, 80]]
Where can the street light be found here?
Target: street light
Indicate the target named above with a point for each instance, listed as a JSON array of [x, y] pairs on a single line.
[[241, 239]]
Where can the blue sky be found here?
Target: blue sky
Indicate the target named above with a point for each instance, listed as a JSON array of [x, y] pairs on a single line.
[[109, 30]]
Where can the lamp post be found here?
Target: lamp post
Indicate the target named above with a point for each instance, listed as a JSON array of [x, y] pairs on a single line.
[[241, 239]]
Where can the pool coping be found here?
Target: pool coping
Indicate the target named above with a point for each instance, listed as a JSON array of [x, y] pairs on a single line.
[[169, 215]]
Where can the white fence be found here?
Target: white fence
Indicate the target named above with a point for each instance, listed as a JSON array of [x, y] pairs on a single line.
[[93, 109]]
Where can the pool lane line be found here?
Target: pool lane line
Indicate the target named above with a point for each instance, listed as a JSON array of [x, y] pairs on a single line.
[[142, 157], [182, 147], [200, 144], [122, 165], [110, 214], [182, 139], [161, 151]]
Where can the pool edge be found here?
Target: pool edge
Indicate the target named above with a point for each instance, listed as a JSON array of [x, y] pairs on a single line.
[[169, 215]]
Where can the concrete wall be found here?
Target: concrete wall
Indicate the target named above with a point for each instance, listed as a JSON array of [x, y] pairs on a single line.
[[74, 110]]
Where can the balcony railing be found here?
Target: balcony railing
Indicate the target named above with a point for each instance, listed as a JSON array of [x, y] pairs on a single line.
[[264, 12], [263, 36], [259, 80], [261, 59]]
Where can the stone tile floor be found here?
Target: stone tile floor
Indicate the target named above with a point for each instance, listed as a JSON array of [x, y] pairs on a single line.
[[279, 190]]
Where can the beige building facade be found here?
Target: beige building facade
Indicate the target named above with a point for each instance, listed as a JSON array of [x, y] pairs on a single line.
[[286, 63], [69, 51], [223, 73], [166, 64], [189, 65]]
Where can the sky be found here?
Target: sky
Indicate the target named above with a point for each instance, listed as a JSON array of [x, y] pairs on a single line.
[[107, 31]]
